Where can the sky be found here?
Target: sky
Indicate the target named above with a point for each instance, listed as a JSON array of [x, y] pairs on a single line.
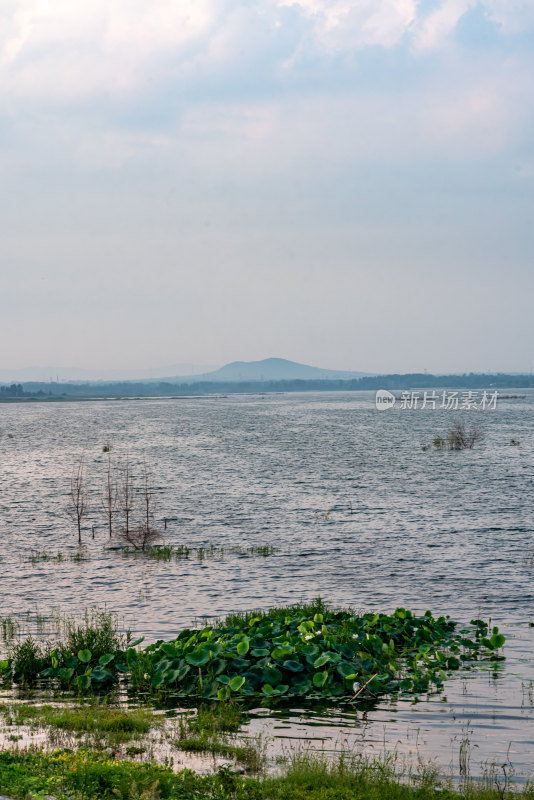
[[345, 183]]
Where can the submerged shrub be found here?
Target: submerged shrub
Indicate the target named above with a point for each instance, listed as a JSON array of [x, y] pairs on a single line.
[[459, 438]]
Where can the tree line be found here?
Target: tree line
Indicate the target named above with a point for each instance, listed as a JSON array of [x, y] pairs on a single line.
[[392, 382]]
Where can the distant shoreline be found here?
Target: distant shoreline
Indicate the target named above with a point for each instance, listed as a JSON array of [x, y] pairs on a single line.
[[514, 385]]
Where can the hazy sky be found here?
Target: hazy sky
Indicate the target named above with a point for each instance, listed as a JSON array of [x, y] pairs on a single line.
[[347, 183]]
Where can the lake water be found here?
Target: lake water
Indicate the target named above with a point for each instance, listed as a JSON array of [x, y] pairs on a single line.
[[357, 511]]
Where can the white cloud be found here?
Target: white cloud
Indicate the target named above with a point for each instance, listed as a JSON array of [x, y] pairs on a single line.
[[435, 29], [512, 16], [66, 50], [345, 25], [60, 51]]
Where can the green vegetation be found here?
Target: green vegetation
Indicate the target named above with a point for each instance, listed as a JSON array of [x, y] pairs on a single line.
[[92, 717], [96, 776], [37, 557], [307, 650], [315, 652], [79, 660], [206, 732], [168, 552]]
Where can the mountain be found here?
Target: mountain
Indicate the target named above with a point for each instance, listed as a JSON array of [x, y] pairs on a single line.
[[272, 369]]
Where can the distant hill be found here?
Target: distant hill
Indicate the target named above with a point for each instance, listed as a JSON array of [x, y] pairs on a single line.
[[272, 369], [79, 374]]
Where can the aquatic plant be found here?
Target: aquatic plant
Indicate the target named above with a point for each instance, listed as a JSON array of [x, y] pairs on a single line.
[[325, 654], [38, 556], [309, 651], [169, 552], [79, 660]]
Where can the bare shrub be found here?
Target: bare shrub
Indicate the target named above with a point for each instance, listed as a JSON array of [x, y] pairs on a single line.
[[110, 494], [462, 439], [144, 534], [125, 500], [459, 438], [77, 504]]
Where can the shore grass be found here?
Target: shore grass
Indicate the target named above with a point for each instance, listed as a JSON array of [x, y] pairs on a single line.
[[96, 776], [207, 732], [93, 717]]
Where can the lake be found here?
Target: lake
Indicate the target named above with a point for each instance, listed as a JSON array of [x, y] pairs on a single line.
[[356, 510]]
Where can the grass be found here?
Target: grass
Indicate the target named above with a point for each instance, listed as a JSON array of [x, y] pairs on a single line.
[[96, 632], [215, 719], [243, 618], [206, 732], [247, 755], [170, 552], [96, 776], [93, 717], [9, 628], [42, 556]]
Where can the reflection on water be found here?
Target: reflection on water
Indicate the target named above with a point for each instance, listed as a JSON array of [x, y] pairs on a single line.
[[452, 532]]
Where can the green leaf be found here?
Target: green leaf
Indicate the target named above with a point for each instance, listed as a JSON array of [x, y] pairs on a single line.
[[84, 656], [271, 675], [320, 678], [157, 679], [84, 682], [175, 675], [292, 666], [106, 659], [236, 683], [100, 675], [321, 661], [243, 647], [259, 652], [346, 670], [65, 674], [281, 652], [198, 657]]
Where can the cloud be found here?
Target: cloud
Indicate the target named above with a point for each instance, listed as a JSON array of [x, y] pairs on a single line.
[[68, 50], [342, 24], [57, 53]]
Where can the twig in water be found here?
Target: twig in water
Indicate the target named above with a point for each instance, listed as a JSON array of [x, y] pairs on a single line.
[[364, 686]]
